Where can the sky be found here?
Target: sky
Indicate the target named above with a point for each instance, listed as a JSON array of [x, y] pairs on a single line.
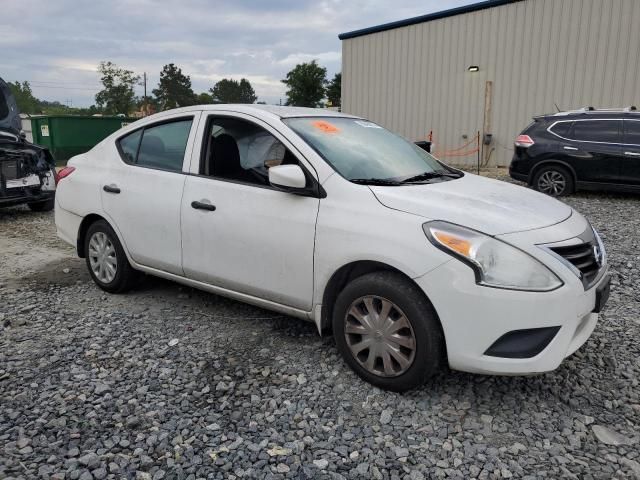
[[57, 45]]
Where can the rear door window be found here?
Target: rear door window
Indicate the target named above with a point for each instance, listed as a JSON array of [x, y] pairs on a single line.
[[163, 146], [601, 131], [632, 132], [157, 146]]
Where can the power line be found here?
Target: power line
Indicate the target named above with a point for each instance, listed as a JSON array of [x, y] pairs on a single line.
[[53, 82], [94, 89]]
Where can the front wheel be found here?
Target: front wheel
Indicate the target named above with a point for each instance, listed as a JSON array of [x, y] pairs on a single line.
[[553, 180], [106, 259], [387, 331]]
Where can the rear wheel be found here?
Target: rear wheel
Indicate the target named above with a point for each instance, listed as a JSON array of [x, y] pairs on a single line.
[[554, 180], [106, 260], [42, 206], [387, 331]]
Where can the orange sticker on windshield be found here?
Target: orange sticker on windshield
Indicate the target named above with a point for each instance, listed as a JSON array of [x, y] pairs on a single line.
[[325, 126]]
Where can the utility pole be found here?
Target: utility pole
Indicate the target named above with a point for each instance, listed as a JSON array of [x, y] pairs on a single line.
[[144, 104]]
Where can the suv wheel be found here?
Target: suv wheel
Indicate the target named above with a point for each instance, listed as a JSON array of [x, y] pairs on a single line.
[[106, 260], [387, 331], [553, 180]]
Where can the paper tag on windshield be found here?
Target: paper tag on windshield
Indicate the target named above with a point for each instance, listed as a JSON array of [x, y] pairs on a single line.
[[365, 124]]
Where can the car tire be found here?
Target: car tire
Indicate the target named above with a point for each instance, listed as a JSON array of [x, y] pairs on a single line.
[[554, 180], [106, 260], [417, 340], [42, 206]]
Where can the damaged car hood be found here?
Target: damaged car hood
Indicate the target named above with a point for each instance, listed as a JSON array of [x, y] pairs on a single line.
[[486, 205], [9, 113]]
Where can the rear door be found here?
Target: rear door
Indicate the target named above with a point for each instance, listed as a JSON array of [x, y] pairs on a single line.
[[595, 146], [142, 194], [630, 162]]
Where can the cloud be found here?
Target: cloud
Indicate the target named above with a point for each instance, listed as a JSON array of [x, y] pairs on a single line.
[[63, 41], [325, 57]]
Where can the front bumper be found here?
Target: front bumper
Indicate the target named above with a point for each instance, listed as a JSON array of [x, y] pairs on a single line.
[[473, 317]]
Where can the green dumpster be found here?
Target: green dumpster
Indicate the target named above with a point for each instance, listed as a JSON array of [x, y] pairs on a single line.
[[66, 136]]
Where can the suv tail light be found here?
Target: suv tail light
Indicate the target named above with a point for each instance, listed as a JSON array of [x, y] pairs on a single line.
[[524, 141], [65, 172]]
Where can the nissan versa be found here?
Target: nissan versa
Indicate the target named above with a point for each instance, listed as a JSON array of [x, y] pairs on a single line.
[[333, 219]]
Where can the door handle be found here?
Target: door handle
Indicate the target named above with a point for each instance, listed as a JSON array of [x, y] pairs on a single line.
[[111, 188], [203, 206], [573, 149], [632, 154]]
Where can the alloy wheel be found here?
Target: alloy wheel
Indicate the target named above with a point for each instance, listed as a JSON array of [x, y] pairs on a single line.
[[380, 336], [102, 257], [552, 182]]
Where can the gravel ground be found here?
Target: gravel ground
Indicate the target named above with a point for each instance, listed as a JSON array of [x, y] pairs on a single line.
[[169, 382]]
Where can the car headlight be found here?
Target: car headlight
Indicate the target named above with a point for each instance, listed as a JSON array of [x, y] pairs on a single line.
[[602, 260], [496, 263]]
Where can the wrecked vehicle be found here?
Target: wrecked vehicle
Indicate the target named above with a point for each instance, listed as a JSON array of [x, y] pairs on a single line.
[[27, 171]]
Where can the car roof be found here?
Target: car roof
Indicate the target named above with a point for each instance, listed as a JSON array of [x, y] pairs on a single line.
[[261, 111], [591, 113], [279, 110]]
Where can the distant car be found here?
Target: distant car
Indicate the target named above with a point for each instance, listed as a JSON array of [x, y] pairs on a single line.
[[333, 219], [584, 149], [27, 171]]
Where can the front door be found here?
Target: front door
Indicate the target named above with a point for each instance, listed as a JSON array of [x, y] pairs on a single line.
[[240, 233]]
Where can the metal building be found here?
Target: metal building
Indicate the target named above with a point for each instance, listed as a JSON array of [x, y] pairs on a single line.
[[490, 67]]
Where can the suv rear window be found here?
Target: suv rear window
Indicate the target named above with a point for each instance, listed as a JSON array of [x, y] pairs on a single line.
[[562, 129], [607, 131]]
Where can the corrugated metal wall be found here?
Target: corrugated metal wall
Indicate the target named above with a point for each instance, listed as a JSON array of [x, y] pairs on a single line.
[[414, 79]]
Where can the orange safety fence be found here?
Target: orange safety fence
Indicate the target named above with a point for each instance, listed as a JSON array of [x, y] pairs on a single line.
[[456, 152]]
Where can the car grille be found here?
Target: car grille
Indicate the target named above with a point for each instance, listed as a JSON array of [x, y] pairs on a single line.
[[9, 169], [586, 257]]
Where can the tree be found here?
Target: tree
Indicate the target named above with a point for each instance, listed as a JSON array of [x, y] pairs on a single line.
[[117, 96], [306, 84], [334, 90], [27, 103], [231, 91], [174, 89], [204, 99]]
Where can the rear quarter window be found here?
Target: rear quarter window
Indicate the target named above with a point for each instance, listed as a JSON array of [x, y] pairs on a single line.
[[129, 146], [561, 129]]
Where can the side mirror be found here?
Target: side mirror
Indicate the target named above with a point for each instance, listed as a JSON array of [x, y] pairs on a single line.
[[287, 177]]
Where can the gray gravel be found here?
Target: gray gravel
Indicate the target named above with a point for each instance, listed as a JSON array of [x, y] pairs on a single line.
[[169, 382]]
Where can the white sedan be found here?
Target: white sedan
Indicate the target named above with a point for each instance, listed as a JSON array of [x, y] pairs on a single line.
[[333, 219]]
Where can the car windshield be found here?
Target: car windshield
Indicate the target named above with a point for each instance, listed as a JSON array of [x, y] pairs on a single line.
[[363, 151]]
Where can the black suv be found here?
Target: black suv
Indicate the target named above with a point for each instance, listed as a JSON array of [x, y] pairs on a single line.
[[581, 149]]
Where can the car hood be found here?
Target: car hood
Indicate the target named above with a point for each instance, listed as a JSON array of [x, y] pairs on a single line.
[[483, 204], [9, 113]]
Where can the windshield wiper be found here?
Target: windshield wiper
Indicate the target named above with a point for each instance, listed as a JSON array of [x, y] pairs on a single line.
[[375, 181], [429, 176]]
